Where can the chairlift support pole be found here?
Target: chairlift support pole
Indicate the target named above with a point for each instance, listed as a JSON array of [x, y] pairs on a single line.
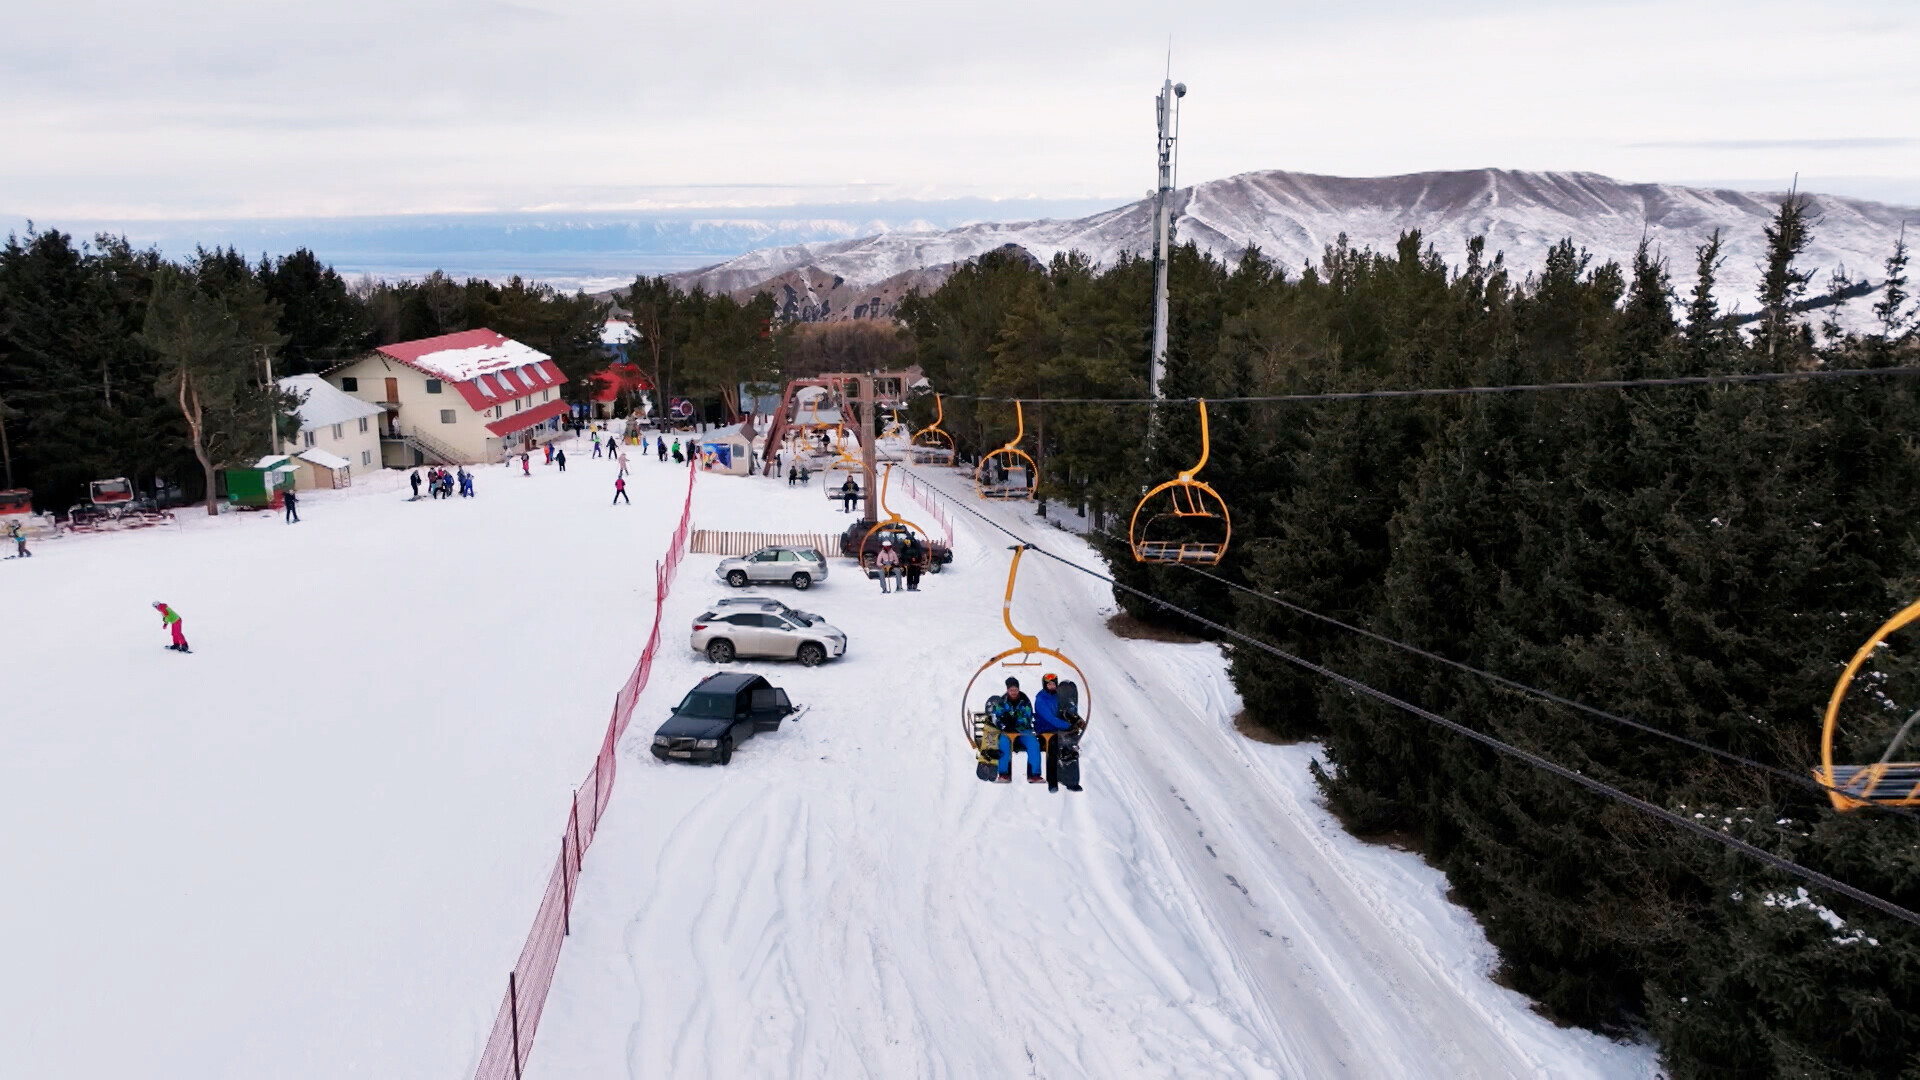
[[1167, 113]]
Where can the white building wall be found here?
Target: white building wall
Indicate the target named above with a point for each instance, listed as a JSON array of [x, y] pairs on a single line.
[[360, 448]]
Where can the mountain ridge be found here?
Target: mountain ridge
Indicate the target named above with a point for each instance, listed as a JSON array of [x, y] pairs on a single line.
[[1292, 217]]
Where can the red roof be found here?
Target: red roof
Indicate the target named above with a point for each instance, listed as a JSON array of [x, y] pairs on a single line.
[[527, 418], [487, 368]]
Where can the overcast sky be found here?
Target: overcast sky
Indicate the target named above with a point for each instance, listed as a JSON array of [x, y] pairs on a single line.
[[226, 108]]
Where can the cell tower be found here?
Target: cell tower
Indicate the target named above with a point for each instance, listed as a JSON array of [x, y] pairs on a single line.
[[1167, 111]]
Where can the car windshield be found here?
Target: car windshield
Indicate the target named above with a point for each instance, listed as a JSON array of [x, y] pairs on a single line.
[[706, 706]]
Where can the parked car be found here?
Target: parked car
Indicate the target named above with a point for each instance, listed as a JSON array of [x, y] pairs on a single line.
[[933, 553], [799, 567], [766, 628], [725, 710]]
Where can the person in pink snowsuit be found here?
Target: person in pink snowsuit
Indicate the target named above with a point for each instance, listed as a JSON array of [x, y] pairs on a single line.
[[170, 619]]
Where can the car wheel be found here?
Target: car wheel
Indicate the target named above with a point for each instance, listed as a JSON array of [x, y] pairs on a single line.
[[726, 750], [811, 655], [937, 564], [720, 652], [737, 578], [802, 581]]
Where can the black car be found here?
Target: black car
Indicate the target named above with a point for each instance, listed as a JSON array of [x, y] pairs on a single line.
[[722, 712]]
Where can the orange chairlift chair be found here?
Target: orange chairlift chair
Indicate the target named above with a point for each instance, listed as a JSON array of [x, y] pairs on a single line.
[[1185, 520], [892, 527], [1888, 781], [1027, 652], [1008, 473], [931, 445]]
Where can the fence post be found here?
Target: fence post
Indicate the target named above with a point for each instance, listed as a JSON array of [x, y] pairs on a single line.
[[578, 851], [566, 892], [513, 1009]]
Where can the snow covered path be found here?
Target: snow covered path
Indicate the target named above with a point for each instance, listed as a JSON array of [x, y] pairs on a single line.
[[847, 899], [311, 849]]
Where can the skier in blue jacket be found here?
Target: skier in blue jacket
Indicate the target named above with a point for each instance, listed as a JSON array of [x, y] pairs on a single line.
[[1014, 720]]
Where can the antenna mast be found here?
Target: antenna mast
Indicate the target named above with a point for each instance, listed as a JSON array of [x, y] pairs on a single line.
[[1167, 112]]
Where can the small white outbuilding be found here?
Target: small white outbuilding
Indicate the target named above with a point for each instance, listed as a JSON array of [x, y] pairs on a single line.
[[338, 433]]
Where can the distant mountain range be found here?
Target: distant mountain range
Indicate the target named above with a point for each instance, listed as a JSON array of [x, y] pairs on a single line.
[[1293, 217]]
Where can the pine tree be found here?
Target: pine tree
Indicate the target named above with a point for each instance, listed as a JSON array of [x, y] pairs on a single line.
[[1783, 284], [213, 344], [1705, 328], [1891, 311]]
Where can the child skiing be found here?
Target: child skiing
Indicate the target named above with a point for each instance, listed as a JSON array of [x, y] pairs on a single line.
[[170, 619], [19, 541], [620, 491]]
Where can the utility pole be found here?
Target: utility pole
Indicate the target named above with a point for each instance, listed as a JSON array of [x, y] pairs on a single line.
[[1166, 109], [273, 412]]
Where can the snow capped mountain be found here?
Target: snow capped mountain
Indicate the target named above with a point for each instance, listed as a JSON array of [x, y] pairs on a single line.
[[1292, 217]]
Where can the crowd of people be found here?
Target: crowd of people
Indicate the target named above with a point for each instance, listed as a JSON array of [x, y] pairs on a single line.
[[442, 483]]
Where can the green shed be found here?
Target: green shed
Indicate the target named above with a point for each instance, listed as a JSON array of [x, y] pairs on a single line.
[[262, 484]]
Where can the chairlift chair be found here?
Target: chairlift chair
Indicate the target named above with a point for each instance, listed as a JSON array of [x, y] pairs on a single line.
[[1185, 520], [1008, 473], [931, 445], [1887, 782], [1027, 652], [893, 525]]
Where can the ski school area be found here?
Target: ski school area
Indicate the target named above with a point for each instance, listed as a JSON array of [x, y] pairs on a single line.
[[326, 841]]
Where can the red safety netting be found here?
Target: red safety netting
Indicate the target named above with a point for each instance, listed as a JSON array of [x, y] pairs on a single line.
[[519, 1017], [932, 506]]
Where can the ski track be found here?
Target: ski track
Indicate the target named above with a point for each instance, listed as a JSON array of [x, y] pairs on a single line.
[[846, 899]]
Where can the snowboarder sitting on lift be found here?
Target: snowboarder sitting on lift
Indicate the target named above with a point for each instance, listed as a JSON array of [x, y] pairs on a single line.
[[1047, 720], [1014, 720]]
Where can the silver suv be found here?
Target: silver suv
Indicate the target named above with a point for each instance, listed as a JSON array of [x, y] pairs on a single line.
[[796, 566], [750, 627]]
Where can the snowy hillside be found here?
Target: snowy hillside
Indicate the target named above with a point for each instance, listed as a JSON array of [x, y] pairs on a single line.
[[1292, 217]]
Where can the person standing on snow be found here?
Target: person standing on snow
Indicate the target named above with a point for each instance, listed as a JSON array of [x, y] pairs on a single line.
[[526, 463], [560, 459], [549, 453], [293, 512], [793, 474], [19, 541], [595, 439], [1014, 720], [170, 619], [620, 491], [415, 481], [623, 463], [662, 441], [678, 457]]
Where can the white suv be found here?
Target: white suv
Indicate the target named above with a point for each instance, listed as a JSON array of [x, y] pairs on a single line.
[[796, 566], [763, 627]]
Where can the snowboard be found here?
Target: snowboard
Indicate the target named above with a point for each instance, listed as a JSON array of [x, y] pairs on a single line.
[[1063, 748], [986, 742], [170, 648]]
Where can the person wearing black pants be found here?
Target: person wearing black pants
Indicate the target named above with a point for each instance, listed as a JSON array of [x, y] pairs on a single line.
[[620, 491], [293, 515]]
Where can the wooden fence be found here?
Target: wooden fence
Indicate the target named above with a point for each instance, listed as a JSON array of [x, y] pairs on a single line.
[[718, 542]]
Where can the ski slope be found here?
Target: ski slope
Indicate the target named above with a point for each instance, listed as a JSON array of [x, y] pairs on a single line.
[[312, 848], [847, 899]]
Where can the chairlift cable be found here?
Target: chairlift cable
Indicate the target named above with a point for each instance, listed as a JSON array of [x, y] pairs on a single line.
[[1459, 391], [1547, 695], [1785, 865]]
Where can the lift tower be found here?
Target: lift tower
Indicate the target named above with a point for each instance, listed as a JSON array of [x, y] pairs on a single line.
[[1167, 111]]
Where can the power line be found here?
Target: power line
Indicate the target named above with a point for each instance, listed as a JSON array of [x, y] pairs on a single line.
[[1547, 695], [1462, 391], [1881, 904]]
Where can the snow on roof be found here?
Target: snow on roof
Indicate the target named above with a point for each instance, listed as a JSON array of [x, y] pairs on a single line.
[[323, 403], [275, 462], [322, 458], [618, 332], [463, 356]]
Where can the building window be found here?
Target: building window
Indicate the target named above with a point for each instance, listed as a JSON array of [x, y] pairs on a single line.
[[519, 403], [307, 436], [446, 416], [546, 395], [433, 386], [366, 457], [349, 383], [339, 432], [363, 425]]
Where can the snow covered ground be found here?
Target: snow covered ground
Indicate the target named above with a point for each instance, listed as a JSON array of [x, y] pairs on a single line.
[[312, 848], [847, 899]]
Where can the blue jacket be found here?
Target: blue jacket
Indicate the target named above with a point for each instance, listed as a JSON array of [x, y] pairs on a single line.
[[1046, 712], [1014, 717]]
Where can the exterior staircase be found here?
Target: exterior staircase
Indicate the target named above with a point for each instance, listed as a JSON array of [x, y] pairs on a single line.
[[433, 450]]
